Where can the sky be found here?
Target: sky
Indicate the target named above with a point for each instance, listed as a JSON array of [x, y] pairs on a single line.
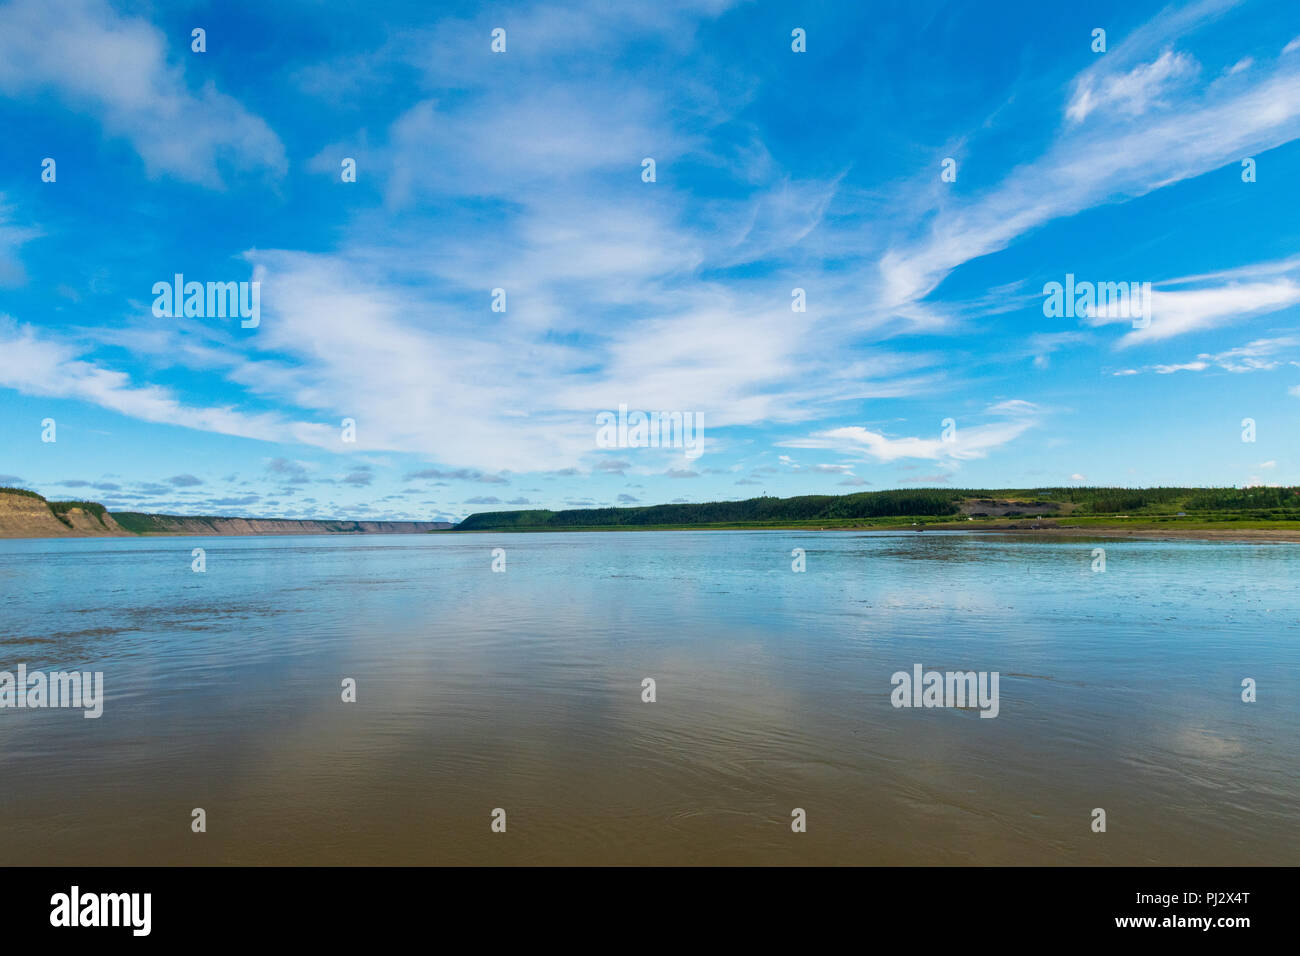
[[921, 171]]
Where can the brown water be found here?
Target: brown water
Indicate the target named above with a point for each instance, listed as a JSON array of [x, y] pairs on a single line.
[[522, 690]]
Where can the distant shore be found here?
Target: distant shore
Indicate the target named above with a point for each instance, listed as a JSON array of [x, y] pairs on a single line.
[[285, 529], [1279, 535], [1148, 532], [1271, 514], [25, 514], [1283, 535]]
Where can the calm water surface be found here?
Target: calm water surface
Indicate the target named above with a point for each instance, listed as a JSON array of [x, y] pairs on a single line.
[[522, 690]]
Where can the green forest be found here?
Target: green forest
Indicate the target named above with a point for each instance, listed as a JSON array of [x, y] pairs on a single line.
[[932, 505]]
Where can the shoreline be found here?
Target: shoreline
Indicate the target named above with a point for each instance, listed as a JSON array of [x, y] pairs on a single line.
[[1250, 515], [1143, 532], [1284, 535], [144, 535]]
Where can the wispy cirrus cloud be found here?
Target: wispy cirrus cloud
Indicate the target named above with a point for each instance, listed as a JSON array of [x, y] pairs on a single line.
[[1126, 135], [1260, 355], [1132, 93], [1198, 303], [12, 237], [121, 70], [36, 364]]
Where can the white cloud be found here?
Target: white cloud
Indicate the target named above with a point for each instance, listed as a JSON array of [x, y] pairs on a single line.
[[367, 335], [1176, 313], [11, 237], [1216, 300], [1185, 367], [1133, 93], [394, 330], [1043, 344], [1260, 355], [1254, 356], [1011, 420], [36, 365], [117, 69], [1119, 153]]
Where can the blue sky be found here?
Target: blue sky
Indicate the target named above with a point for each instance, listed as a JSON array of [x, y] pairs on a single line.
[[522, 170]]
